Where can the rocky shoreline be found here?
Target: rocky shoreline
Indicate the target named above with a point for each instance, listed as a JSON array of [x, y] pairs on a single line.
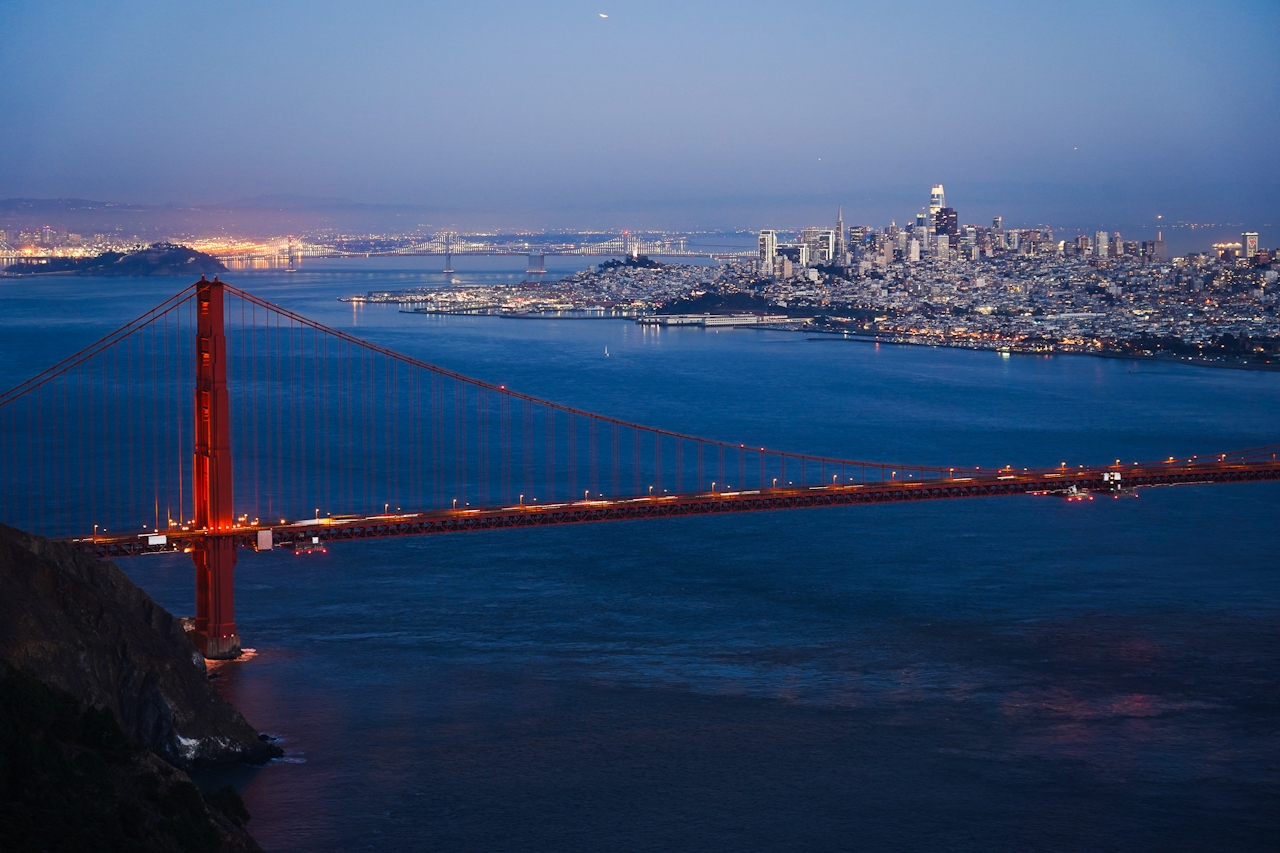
[[80, 630]]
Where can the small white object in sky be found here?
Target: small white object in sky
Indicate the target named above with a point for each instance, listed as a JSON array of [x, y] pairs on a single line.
[[603, 15]]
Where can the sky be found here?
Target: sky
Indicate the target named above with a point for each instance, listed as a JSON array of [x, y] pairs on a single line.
[[662, 114]]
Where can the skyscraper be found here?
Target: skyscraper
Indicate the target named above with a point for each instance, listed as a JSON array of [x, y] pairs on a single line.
[[840, 250], [1100, 244], [768, 251], [945, 221], [821, 244], [998, 223], [1248, 244], [937, 201]]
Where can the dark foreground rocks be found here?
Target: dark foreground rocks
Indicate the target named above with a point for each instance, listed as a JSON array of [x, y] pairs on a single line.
[[80, 625], [70, 779]]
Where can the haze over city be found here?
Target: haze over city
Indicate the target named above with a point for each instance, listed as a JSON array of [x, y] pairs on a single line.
[[661, 115]]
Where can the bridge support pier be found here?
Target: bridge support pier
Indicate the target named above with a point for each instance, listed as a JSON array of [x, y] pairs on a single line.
[[215, 632], [214, 555]]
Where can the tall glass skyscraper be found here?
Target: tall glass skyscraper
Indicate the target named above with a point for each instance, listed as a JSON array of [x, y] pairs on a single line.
[[937, 201]]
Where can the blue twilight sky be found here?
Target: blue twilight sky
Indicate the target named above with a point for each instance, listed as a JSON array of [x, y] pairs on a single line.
[[675, 114]]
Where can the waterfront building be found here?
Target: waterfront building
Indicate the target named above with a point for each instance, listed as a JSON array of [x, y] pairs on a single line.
[[1101, 243]]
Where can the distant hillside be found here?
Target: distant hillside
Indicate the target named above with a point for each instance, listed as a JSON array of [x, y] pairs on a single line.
[[156, 259]]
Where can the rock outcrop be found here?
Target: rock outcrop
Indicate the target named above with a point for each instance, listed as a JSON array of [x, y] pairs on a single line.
[[70, 779], [80, 625]]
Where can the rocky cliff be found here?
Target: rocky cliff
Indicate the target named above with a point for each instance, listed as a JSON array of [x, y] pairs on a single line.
[[82, 626], [70, 779]]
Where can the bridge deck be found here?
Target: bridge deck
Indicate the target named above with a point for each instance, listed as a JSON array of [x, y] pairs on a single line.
[[309, 534]]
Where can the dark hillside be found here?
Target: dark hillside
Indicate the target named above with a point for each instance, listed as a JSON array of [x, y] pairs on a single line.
[[80, 625], [156, 259], [70, 779]]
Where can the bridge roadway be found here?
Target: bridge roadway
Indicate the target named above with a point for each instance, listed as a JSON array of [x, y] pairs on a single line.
[[316, 533]]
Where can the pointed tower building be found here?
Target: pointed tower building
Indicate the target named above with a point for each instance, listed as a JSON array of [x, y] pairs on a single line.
[[840, 248]]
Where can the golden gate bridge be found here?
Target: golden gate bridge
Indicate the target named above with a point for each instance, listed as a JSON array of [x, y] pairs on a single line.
[[301, 435]]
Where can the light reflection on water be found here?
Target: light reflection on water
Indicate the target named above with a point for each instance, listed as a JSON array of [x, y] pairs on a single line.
[[988, 674]]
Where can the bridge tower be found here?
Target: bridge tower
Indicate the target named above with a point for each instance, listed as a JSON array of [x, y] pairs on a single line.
[[214, 553]]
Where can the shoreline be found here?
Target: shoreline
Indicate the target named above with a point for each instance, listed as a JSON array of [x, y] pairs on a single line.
[[1189, 362]]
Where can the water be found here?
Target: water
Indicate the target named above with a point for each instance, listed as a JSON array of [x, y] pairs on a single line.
[[1013, 673]]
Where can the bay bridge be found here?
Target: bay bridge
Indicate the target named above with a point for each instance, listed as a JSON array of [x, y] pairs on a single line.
[[218, 421], [448, 244]]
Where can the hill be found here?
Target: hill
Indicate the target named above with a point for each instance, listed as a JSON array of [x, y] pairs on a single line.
[[156, 259]]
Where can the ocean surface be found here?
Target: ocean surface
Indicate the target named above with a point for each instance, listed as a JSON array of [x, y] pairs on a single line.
[[1016, 673]]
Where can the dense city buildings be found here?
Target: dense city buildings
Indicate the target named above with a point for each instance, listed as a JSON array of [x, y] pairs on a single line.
[[1026, 290], [935, 280]]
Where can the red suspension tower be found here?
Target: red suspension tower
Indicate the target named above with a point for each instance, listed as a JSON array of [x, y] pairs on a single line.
[[215, 553]]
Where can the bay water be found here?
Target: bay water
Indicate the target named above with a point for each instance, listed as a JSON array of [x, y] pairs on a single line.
[[996, 674]]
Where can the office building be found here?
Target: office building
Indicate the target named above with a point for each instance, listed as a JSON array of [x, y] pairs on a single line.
[[821, 243], [1249, 244], [841, 250], [937, 201], [1155, 250], [1101, 244], [946, 222], [768, 251]]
